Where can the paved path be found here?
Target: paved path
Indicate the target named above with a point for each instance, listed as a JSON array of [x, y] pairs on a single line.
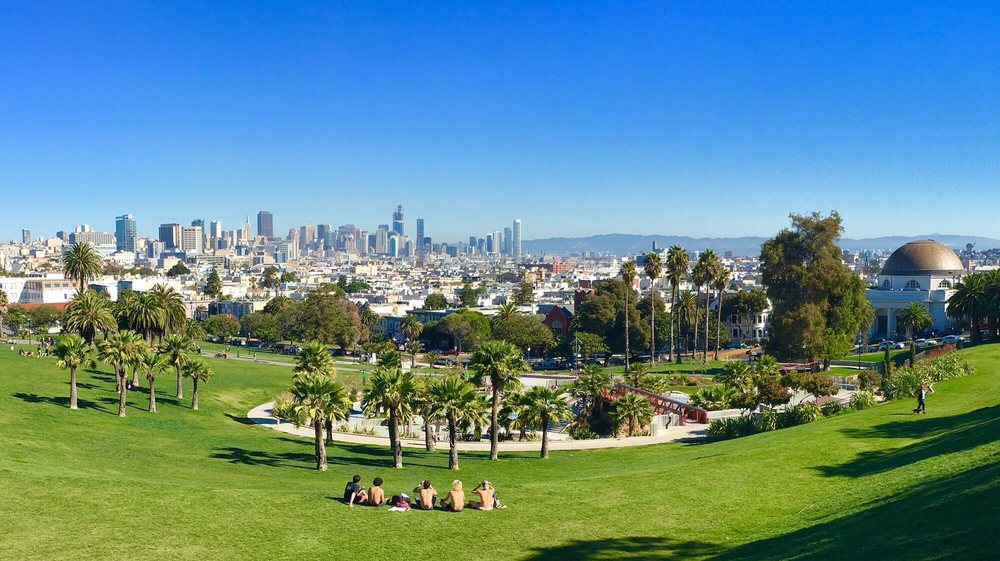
[[261, 415]]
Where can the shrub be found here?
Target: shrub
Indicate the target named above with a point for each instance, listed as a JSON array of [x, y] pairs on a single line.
[[768, 420], [869, 379], [832, 408], [584, 434], [805, 413], [863, 400], [730, 427]]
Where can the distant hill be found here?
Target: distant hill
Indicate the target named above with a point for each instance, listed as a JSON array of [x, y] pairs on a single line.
[[622, 244]]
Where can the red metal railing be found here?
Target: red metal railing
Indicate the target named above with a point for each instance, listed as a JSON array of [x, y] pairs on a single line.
[[664, 405]]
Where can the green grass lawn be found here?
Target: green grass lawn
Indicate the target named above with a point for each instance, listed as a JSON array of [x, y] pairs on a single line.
[[183, 484]]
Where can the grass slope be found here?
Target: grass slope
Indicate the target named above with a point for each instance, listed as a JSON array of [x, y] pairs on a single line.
[[183, 484]]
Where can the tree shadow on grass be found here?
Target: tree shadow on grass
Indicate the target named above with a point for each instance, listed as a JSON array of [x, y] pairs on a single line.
[[240, 420], [942, 435], [624, 548], [236, 455], [60, 401], [957, 517], [375, 456]]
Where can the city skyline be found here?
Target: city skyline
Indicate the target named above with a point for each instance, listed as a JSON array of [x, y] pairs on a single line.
[[693, 120]]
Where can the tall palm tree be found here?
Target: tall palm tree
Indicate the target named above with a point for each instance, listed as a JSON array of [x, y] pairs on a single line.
[[146, 315], [318, 398], [713, 268], [545, 405], [969, 301], [632, 410], [499, 362], [390, 392], [81, 263], [72, 352], [687, 311], [627, 273], [151, 364], [914, 317], [411, 327], [90, 312], [654, 268], [174, 312], [454, 400], [199, 371], [422, 406], [314, 358], [720, 284], [699, 278], [118, 351], [175, 353], [677, 266]]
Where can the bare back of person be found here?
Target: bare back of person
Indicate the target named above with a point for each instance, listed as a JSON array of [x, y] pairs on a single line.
[[427, 498], [376, 496], [485, 499], [455, 500]]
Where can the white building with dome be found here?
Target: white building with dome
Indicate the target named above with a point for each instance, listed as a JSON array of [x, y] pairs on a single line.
[[923, 271]]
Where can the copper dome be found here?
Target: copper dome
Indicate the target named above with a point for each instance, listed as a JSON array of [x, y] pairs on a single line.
[[924, 257]]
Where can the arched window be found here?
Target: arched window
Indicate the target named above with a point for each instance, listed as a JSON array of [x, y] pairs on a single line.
[[913, 284], [886, 284], [944, 284]]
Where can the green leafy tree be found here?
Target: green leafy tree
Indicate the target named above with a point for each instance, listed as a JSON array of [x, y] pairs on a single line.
[[178, 269], [411, 327], [174, 312], [633, 411], [970, 302], [436, 301], [81, 263], [221, 325], [4, 304], [146, 315], [390, 392], [413, 347], [499, 363], [544, 406], [591, 387], [326, 317], [72, 352], [454, 400], [151, 364], [199, 372], [720, 284], [88, 313], [44, 318], [468, 296], [817, 300], [705, 270], [314, 358], [524, 332], [525, 294], [213, 285]]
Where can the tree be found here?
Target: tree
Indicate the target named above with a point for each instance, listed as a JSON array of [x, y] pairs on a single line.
[[970, 301], [390, 392], [314, 358], [525, 294], [736, 375], [687, 313], [43, 318], [468, 296], [454, 400], [500, 363], [745, 306], [654, 268], [632, 410], [90, 312], [627, 273], [326, 317], [178, 269], [17, 317], [677, 266], [913, 318], [435, 301], [708, 267], [545, 406], [259, 325], [81, 263], [172, 306], [72, 352], [603, 313], [319, 398], [592, 386], [146, 315], [221, 325], [4, 303], [152, 363], [175, 354], [636, 373], [720, 284], [271, 279], [817, 300], [507, 310], [119, 350], [213, 285], [199, 371], [524, 332], [422, 406], [465, 326], [410, 327], [413, 347]]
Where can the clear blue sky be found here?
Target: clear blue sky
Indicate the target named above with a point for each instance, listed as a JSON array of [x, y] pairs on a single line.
[[696, 118]]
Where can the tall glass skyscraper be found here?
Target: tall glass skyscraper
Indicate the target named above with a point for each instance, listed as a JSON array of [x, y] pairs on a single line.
[[265, 224], [516, 239], [420, 236], [125, 233], [397, 220]]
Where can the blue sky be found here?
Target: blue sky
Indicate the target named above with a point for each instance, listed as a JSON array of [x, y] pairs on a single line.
[[702, 119]]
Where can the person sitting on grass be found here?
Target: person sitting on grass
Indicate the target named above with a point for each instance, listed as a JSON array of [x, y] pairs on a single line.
[[426, 495], [354, 493], [399, 504], [376, 496], [454, 500], [486, 496]]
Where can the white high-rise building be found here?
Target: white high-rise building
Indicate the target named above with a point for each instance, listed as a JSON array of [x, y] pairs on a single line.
[[515, 243], [191, 239]]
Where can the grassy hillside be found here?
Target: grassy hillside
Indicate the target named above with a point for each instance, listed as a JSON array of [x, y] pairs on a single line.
[[181, 484]]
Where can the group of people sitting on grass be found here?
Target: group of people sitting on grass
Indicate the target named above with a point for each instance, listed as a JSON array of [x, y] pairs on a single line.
[[425, 496]]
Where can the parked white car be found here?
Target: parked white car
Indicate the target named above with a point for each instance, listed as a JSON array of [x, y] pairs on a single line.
[[925, 343], [951, 339]]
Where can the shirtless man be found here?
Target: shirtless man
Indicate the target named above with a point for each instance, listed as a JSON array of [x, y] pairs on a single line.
[[427, 495], [485, 492], [454, 500], [376, 496]]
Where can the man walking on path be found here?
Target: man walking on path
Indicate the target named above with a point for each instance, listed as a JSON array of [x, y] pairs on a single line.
[[921, 396]]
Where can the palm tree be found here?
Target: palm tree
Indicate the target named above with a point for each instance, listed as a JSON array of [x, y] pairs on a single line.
[[118, 351], [720, 284], [632, 409], [314, 358], [627, 272], [545, 405], [410, 327], [432, 357], [413, 347], [637, 373], [390, 392], [4, 303], [699, 278], [81, 263], [90, 312], [174, 312], [687, 309], [198, 371], [454, 400], [319, 397], [677, 266], [970, 301], [914, 317], [711, 267], [175, 353], [592, 386], [146, 315], [422, 406], [499, 362], [507, 310], [654, 268], [152, 363], [72, 352]]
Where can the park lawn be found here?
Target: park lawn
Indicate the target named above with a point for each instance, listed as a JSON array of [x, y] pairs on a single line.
[[183, 484]]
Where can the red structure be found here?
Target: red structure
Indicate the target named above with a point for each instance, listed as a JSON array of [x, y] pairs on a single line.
[[558, 319], [663, 405]]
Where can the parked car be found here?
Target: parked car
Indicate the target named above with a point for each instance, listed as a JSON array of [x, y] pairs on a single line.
[[444, 362], [733, 345], [951, 339], [925, 343]]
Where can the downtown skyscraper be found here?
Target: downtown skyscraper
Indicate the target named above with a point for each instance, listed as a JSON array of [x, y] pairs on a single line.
[[265, 224], [515, 242], [397, 220], [125, 233]]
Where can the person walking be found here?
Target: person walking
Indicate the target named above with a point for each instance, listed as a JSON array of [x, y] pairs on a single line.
[[921, 397]]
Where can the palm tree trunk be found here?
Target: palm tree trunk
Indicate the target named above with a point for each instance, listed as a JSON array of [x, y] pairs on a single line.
[[180, 383], [135, 377], [718, 325], [677, 343], [329, 431], [652, 320], [452, 445], [545, 438], [320, 446], [697, 316], [194, 394], [631, 427], [494, 414], [708, 294], [72, 388], [627, 289], [428, 437], [123, 394], [397, 449], [152, 395], [670, 343]]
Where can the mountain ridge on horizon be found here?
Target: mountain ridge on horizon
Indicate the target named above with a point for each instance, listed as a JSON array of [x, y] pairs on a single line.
[[621, 244]]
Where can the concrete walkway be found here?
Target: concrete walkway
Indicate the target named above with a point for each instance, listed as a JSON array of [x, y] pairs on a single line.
[[261, 415]]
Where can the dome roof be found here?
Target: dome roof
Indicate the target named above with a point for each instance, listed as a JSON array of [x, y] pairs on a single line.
[[924, 257]]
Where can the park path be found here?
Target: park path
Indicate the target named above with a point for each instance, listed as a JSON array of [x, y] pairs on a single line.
[[261, 415]]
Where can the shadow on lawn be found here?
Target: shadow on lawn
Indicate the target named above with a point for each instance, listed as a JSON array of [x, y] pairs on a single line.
[[236, 455], [343, 453], [942, 435], [61, 401], [624, 548]]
